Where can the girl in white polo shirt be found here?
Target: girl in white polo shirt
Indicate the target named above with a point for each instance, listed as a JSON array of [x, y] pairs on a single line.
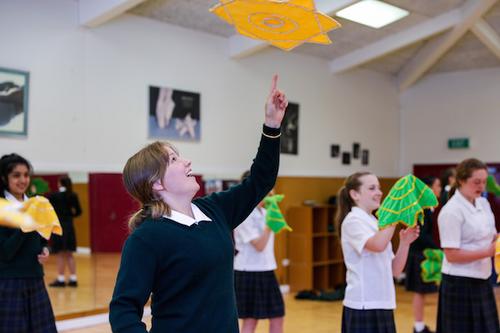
[[258, 294], [370, 295], [467, 232]]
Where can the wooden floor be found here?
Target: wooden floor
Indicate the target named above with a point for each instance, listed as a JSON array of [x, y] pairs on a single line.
[[97, 275]]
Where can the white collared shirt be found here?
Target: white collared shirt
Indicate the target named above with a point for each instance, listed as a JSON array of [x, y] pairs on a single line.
[[463, 225], [248, 258], [13, 199], [187, 220], [369, 274]]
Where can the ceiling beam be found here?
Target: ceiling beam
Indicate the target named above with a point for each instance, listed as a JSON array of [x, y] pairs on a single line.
[[93, 13], [396, 41], [488, 36], [428, 55], [241, 46]]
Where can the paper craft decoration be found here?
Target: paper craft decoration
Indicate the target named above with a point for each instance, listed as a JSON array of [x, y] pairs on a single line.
[[497, 259], [282, 23], [406, 202], [492, 186], [431, 266], [35, 214], [38, 187], [274, 218]]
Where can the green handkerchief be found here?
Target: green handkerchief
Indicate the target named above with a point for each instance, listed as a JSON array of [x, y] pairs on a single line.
[[492, 186], [274, 218], [431, 266], [406, 202]]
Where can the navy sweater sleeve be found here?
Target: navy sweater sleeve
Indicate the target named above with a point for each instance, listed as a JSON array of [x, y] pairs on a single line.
[[11, 240], [239, 201], [133, 287]]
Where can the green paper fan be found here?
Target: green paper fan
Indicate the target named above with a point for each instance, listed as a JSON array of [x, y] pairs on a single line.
[[406, 202], [274, 218], [38, 186], [492, 186], [431, 266]]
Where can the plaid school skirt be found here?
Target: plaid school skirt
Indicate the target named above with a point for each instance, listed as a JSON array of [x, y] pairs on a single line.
[[367, 321], [413, 279], [25, 307], [258, 295], [466, 305]]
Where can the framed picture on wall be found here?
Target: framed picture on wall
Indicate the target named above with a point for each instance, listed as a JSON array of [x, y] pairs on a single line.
[[365, 157], [355, 149], [14, 91], [174, 114], [346, 158], [290, 130]]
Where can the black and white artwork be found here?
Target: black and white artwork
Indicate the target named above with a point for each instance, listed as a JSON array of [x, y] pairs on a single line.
[[290, 130], [365, 157], [14, 90], [334, 150], [174, 114], [355, 150], [346, 158]]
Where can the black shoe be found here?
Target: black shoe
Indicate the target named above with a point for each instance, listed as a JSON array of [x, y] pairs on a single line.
[[425, 330], [73, 284], [57, 284]]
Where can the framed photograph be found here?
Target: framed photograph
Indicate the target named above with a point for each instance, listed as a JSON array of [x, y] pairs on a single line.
[[174, 114], [365, 157], [334, 150], [14, 93], [355, 150], [290, 130], [346, 158]]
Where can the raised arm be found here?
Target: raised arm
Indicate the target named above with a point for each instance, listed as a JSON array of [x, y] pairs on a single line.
[[239, 201]]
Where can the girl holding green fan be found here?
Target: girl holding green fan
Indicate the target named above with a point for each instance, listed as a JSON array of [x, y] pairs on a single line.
[[368, 257]]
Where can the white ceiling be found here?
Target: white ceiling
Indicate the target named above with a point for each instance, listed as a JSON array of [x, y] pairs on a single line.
[[438, 35]]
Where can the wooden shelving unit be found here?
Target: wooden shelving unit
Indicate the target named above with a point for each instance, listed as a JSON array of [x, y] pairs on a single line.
[[314, 249]]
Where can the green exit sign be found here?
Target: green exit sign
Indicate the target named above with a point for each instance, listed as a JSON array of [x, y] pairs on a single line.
[[458, 143]]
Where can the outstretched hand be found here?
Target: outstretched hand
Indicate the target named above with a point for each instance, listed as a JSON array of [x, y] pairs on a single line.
[[408, 235], [276, 105]]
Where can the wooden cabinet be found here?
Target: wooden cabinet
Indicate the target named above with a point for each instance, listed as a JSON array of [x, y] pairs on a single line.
[[314, 249]]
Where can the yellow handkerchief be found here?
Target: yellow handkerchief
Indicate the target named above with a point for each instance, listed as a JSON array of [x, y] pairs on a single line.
[[35, 214], [282, 23]]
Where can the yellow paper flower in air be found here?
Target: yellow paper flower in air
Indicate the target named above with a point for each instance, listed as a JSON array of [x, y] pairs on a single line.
[[283, 23]]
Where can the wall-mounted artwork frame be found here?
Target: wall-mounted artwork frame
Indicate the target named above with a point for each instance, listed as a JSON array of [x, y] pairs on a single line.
[[174, 114], [14, 94], [365, 157], [290, 130], [346, 158]]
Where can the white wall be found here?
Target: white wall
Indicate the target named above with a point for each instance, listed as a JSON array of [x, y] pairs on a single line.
[[443, 106], [88, 95]]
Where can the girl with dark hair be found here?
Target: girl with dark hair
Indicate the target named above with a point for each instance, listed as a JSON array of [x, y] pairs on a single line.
[[467, 232], [413, 280], [24, 302], [370, 296], [448, 178], [67, 207], [180, 250]]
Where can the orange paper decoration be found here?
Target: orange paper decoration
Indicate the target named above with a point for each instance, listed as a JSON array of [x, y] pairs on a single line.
[[283, 23]]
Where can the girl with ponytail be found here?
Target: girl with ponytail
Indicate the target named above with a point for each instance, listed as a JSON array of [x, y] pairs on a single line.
[[370, 295], [180, 249]]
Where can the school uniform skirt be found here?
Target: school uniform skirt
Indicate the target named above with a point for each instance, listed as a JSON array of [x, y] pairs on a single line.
[[66, 242], [25, 307], [367, 321], [466, 305], [413, 271], [258, 295]]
